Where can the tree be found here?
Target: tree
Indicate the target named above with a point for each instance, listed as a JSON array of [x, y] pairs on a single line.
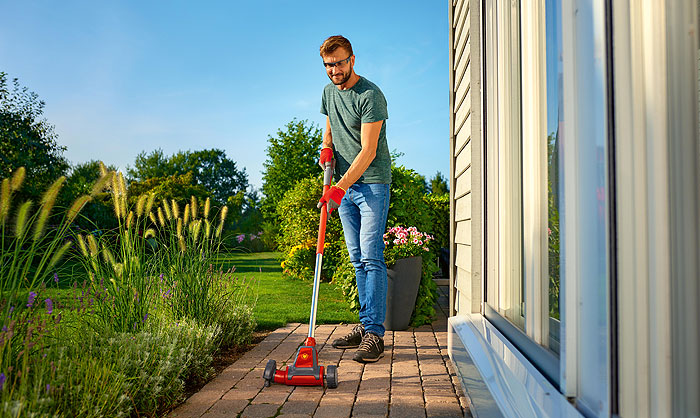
[[292, 155], [210, 169], [438, 185], [27, 140]]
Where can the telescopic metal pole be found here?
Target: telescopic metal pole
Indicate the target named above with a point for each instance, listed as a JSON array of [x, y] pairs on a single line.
[[327, 174]]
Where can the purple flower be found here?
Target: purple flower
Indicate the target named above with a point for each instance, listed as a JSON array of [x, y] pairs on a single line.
[[12, 309], [30, 301], [55, 277], [145, 317], [49, 306], [2, 380], [240, 238]]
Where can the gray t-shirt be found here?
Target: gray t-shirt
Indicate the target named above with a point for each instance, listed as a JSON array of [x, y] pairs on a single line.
[[348, 110]]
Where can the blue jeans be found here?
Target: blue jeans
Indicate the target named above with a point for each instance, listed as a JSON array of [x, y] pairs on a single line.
[[363, 212]]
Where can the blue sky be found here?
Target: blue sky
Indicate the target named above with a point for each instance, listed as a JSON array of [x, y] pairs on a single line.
[[123, 77]]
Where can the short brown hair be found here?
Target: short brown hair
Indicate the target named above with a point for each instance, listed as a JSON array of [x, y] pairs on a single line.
[[334, 42]]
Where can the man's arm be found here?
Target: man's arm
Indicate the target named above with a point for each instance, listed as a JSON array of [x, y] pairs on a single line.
[[369, 138], [327, 137]]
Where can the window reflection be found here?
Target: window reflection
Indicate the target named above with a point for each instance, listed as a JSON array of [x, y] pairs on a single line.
[[554, 131]]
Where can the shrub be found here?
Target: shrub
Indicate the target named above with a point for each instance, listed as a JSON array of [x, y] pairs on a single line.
[[407, 206], [438, 207], [299, 224]]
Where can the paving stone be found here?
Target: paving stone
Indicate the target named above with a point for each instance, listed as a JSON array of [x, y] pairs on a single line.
[[260, 411], [226, 408], [370, 405], [406, 406], [443, 409]]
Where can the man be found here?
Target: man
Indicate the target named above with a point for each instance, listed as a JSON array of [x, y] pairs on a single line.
[[355, 141]]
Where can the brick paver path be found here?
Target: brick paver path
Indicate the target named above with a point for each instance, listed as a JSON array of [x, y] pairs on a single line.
[[414, 379]]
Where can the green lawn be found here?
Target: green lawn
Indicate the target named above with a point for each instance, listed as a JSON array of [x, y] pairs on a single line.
[[282, 300]]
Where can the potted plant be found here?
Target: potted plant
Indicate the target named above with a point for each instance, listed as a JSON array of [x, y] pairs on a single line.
[[403, 252]]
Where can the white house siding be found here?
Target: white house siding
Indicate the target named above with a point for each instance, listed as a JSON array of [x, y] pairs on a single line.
[[465, 150]]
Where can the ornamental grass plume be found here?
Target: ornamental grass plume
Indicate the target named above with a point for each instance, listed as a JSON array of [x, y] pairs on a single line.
[[149, 204], [92, 245], [58, 255], [5, 192], [129, 219], [101, 183], [47, 202], [77, 206], [197, 229], [17, 179], [140, 204], [207, 207], [103, 169], [186, 216], [22, 216], [220, 228], [161, 218], [82, 246], [166, 208], [152, 217], [193, 207], [176, 209]]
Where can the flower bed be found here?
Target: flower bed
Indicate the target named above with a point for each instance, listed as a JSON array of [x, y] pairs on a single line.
[[148, 318]]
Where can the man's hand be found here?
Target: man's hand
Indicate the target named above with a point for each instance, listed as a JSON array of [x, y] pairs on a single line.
[[332, 198], [326, 156]]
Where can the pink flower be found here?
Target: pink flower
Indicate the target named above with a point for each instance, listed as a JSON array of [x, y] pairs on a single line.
[[240, 238]]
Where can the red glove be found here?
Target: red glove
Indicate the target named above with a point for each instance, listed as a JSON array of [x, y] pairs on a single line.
[[326, 156], [333, 196]]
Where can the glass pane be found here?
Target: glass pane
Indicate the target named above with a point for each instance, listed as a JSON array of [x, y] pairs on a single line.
[[554, 132]]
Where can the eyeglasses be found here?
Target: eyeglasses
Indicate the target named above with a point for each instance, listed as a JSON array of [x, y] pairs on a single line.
[[337, 63]]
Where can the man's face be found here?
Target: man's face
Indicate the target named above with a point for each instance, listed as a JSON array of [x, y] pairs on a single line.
[[342, 70]]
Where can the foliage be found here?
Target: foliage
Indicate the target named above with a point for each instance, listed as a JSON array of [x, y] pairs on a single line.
[[250, 218], [211, 169], [299, 263], [292, 155], [438, 207], [344, 277], [438, 185], [407, 206], [400, 242], [424, 311], [299, 222], [26, 140]]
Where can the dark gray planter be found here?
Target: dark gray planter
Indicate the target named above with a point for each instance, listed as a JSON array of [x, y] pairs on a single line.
[[403, 283]]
